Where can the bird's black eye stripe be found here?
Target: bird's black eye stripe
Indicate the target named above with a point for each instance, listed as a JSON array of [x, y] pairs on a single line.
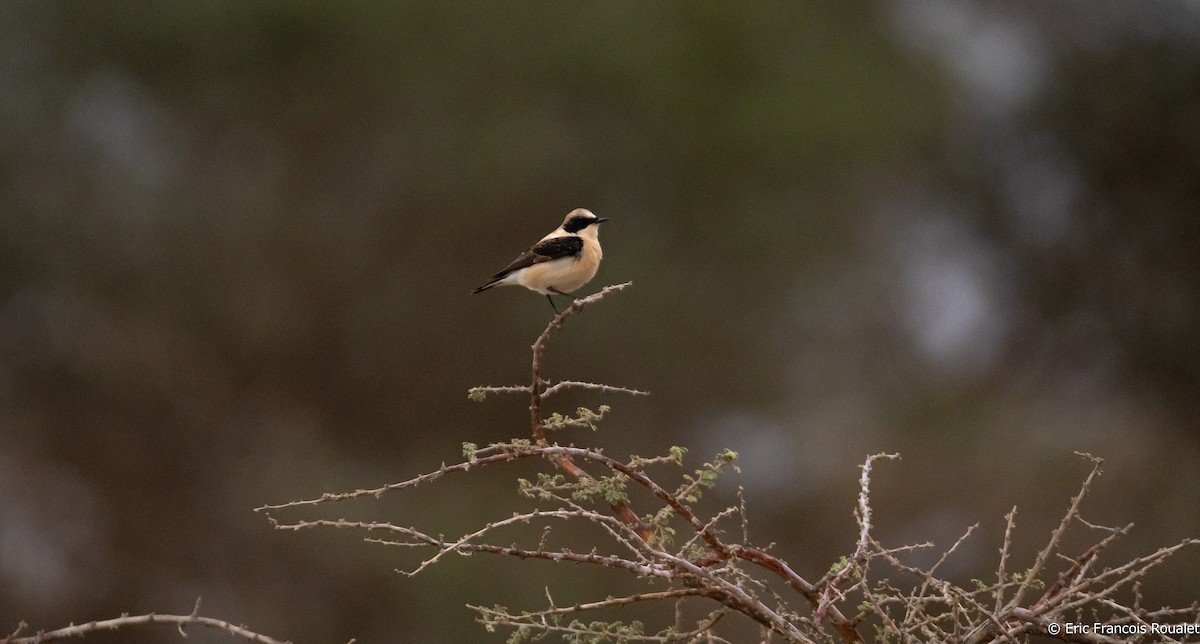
[[578, 223]]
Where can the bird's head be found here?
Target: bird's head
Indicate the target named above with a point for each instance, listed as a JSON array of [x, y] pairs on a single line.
[[583, 223]]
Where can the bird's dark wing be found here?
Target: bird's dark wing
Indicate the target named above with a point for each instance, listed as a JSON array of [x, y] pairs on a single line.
[[557, 247], [544, 251]]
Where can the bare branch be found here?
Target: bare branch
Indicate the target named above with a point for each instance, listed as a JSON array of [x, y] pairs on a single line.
[[1001, 575], [502, 456], [127, 621], [691, 550], [1056, 536], [861, 552], [609, 389]]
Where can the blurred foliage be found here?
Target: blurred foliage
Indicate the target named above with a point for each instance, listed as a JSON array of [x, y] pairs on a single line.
[[237, 242]]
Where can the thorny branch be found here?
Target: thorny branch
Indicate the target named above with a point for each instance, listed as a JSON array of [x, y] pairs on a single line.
[[707, 563], [940, 610], [862, 552], [179, 621]]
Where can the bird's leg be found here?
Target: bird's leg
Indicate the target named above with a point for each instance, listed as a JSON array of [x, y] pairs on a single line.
[[554, 290], [552, 305]]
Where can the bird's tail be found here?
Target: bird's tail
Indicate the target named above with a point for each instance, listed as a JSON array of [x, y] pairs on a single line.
[[495, 281], [501, 278]]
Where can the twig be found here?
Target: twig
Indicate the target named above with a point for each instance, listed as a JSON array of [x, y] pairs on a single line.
[[1056, 536], [554, 388], [864, 535], [1010, 522], [502, 456], [564, 384], [180, 621], [547, 621]]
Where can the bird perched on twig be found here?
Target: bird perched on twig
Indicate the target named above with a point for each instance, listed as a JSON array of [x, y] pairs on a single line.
[[561, 262]]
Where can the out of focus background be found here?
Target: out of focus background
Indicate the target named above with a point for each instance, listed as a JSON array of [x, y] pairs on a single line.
[[237, 243]]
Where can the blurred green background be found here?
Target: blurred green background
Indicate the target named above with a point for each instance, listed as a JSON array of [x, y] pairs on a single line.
[[237, 242]]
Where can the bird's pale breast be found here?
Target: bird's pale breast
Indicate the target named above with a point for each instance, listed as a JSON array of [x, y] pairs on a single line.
[[567, 274]]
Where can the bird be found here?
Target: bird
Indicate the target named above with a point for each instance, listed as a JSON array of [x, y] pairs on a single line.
[[560, 263]]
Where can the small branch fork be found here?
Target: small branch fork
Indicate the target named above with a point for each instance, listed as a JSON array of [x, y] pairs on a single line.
[[535, 390], [619, 508], [180, 622]]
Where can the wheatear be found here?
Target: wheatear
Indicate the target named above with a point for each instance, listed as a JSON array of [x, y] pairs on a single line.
[[561, 262]]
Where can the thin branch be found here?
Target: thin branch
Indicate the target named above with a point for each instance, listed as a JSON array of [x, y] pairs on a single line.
[[1056, 536], [476, 392], [564, 384], [547, 621], [619, 601], [124, 621], [1010, 522], [503, 456], [465, 547], [861, 552]]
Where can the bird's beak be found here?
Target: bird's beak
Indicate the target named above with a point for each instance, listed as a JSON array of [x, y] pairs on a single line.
[[600, 220]]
